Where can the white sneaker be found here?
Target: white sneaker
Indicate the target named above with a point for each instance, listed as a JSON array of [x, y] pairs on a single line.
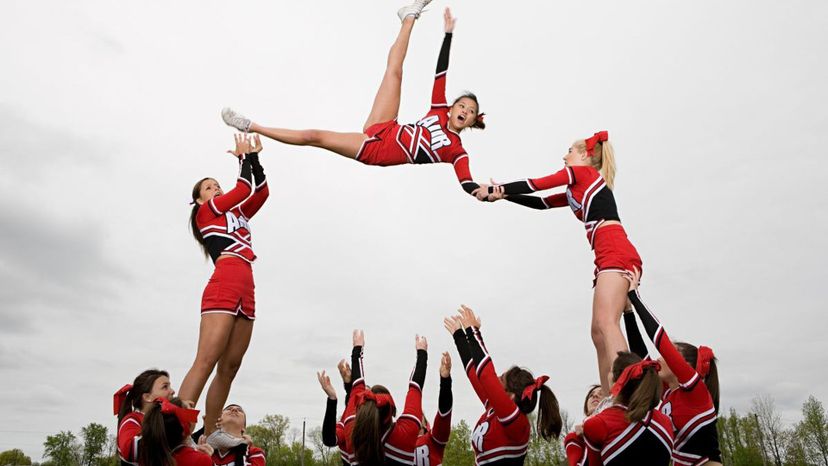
[[220, 439], [235, 120], [415, 9]]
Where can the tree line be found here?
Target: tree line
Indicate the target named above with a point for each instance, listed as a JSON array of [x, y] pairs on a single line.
[[758, 437]]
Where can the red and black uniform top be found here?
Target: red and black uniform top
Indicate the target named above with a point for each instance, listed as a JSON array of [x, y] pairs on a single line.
[[587, 194], [224, 220], [338, 434], [576, 450], [501, 435], [430, 140], [432, 444], [254, 457], [187, 456], [128, 438], [612, 440], [689, 406]]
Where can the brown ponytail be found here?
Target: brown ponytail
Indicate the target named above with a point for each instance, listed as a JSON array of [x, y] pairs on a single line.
[[369, 425], [711, 380], [549, 416], [193, 224], [140, 386], [160, 434], [640, 396]]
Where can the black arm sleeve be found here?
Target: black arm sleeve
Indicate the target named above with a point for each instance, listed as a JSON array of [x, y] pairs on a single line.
[[462, 347], [419, 374], [650, 323], [347, 386], [356, 363], [446, 400], [515, 187], [476, 350], [469, 186], [256, 168], [245, 170], [533, 202], [634, 338], [443, 59], [329, 424]]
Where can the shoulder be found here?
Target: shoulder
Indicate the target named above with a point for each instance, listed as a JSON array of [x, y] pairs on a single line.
[[254, 450], [187, 456], [584, 172], [595, 427], [134, 418]]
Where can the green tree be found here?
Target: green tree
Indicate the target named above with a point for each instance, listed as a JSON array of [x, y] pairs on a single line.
[[62, 449], [458, 450], [770, 428], [291, 455], [95, 438], [14, 457], [813, 430], [269, 433], [740, 440]]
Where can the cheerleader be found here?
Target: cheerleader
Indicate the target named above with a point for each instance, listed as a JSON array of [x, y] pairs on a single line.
[[233, 447], [383, 141], [431, 444], [630, 431], [501, 435], [576, 451], [588, 175], [691, 399], [165, 433], [375, 437], [220, 224], [131, 403], [338, 434]]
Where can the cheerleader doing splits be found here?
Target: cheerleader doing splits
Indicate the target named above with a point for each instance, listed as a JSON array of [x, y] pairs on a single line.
[[131, 404], [220, 224], [383, 141], [588, 176], [691, 399], [501, 435]]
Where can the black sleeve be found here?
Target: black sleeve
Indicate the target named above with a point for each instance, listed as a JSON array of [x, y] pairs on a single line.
[[477, 352], [245, 169], [462, 348], [650, 323], [256, 168], [329, 424], [533, 202], [445, 401], [356, 364], [469, 186], [443, 59], [515, 187], [419, 374], [347, 386], [634, 338]]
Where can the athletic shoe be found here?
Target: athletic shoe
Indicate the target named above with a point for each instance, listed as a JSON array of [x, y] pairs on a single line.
[[220, 439], [235, 120], [415, 9]]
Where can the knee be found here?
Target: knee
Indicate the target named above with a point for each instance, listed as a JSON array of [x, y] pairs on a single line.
[[228, 369], [600, 330], [204, 364]]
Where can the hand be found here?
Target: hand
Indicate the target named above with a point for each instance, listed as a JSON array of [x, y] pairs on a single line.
[[468, 317], [325, 383], [248, 439], [628, 307], [242, 145], [257, 144], [579, 429], [445, 366], [203, 446], [482, 192], [359, 338], [634, 278], [453, 324], [448, 20], [498, 193], [344, 371], [420, 343]]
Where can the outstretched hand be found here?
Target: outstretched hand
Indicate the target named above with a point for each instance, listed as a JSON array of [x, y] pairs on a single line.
[[634, 278], [359, 338], [344, 371], [448, 20], [420, 343], [242, 145], [203, 446], [468, 317], [257, 144], [325, 383], [498, 192], [445, 365], [453, 324]]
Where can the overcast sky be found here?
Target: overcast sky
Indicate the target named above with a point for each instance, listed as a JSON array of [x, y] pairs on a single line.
[[109, 112]]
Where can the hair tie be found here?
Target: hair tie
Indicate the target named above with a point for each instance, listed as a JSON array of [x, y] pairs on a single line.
[[705, 357], [600, 136], [533, 387], [634, 372], [119, 398], [185, 416], [480, 118], [381, 399]]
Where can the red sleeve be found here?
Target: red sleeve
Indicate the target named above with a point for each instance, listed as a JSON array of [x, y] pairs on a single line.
[[575, 449], [438, 92], [441, 428], [461, 168], [129, 433], [556, 200], [244, 188], [595, 432], [256, 457], [350, 412], [256, 201], [564, 177], [410, 419], [505, 409]]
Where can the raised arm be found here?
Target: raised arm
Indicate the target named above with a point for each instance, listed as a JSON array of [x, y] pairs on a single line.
[[357, 387], [244, 182], [261, 192], [408, 424], [438, 92], [634, 338], [535, 202], [441, 428], [329, 421], [455, 327]]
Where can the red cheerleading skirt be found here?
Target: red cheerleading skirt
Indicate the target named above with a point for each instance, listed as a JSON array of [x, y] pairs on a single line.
[[230, 289], [381, 148], [613, 251]]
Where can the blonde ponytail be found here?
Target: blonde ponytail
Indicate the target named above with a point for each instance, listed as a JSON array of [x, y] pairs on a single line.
[[605, 162]]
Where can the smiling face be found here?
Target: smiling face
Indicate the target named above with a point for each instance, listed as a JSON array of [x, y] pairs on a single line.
[[209, 189], [463, 114], [161, 388]]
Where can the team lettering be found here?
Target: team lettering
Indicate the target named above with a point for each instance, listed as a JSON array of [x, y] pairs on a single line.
[[438, 137], [235, 223], [478, 434], [421, 456]]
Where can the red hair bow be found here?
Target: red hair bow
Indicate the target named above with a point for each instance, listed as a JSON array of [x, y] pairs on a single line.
[[600, 136], [381, 399], [703, 360], [185, 416], [120, 397], [634, 372], [481, 117], [533, 387]]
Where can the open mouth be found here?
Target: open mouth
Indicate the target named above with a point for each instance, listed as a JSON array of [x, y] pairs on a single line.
[[461, 118]]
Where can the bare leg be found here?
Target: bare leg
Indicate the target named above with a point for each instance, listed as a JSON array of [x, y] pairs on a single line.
[[346, 144], [387, 102], [213, 335], [607, 305], [226, 371]]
